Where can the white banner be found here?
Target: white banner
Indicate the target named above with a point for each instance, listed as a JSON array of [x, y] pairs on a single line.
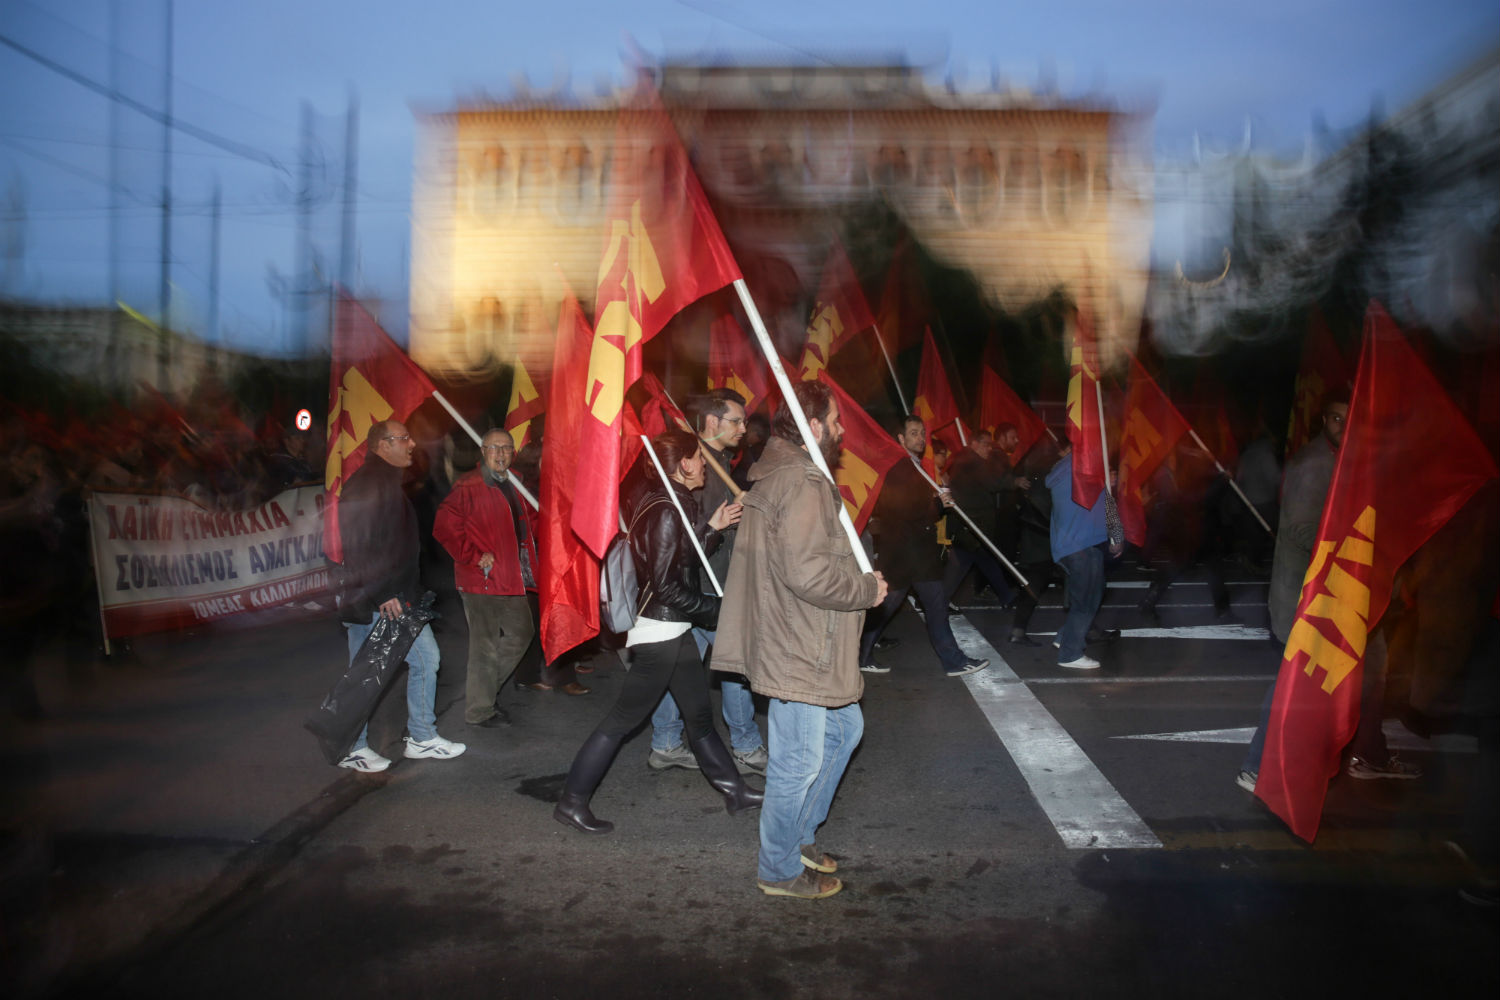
[[164, 562]]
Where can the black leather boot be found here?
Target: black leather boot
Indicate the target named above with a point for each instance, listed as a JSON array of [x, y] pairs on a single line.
[[588, 769], [718, 767]]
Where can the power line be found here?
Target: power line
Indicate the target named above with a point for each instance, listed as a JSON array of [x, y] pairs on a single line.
[[201, 134]]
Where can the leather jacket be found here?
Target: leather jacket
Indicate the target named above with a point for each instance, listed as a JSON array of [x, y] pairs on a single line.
[[666, 565]]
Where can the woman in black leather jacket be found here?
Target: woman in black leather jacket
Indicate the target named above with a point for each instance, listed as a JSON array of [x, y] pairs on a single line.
[[671, 605]]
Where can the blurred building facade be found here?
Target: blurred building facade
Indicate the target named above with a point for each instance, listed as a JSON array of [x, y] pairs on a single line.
[[1405, 210], [1027, 193]]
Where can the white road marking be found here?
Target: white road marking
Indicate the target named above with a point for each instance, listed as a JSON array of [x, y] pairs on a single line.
[[1397, 737], [1193, 679], [1083, 806], [1189, 632]]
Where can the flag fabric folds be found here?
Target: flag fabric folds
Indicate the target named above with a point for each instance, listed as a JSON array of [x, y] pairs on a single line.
[[371, 380], [660, 413], [733, 362], [1407, 463], [1084, 432], [934, 401], [568, 582], [869, 455], [1151, 431], [1324, 369], [999, 404], [527, 402], [840, 312], [663, 250]]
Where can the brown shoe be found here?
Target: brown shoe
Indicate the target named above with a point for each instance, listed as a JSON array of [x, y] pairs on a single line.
[[808, 885], [574, 688], [582, 668], [535, 686]]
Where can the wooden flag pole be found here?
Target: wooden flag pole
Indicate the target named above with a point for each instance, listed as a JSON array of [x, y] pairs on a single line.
[[891, 368], [515, 481], [789, 398], [687, 525], [1232, 484]]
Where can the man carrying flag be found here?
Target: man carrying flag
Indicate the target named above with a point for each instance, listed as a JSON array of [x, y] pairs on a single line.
[[1407, 462], [372, 380]]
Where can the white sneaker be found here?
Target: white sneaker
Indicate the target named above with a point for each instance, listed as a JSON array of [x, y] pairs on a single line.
[[1082, 663], [365, 759], [436, 748]]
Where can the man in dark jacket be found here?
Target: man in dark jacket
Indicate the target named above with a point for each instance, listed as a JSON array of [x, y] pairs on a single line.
[[981, 479], [907, 553], [380, 578], [486, 527]]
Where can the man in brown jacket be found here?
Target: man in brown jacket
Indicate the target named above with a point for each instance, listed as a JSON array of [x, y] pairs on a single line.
[[793, 605]]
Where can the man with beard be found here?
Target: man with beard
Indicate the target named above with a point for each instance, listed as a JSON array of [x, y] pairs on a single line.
[[790, 622], [723, 427]]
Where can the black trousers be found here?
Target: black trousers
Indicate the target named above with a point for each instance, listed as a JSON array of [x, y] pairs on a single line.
[[673, 666]]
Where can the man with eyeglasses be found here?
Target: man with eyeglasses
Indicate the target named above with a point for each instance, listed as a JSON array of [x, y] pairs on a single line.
[[487, 529], [723, 428], [380, 578]]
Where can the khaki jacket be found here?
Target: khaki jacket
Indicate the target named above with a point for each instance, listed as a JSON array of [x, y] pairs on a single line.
[[794, 600]]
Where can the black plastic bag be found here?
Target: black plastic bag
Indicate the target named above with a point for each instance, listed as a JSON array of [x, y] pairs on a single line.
[[351, 702]]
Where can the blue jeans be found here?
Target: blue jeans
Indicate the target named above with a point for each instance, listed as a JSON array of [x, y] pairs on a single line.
[[421, 681], [810, 748], [934, 609], [737, 706], [1085, 591]]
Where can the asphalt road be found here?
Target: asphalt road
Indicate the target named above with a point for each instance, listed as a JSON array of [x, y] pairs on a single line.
[[172, 831]]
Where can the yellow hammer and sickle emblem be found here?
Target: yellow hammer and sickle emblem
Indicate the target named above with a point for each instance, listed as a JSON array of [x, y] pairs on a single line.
[[855, 478], [617, 329], [1140, 439], [365, 406]]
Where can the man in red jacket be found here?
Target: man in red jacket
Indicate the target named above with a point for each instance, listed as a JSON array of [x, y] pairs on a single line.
[[486, 527]]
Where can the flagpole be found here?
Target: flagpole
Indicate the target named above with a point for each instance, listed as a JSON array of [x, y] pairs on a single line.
[[778, 371], [972, 526], [672, 495], [1232, 484], [514, 480], [891, 368], [1103, 438], [734, 487]]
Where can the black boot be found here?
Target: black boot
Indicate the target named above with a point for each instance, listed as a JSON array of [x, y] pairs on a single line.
[[588, 769], [719, 768]]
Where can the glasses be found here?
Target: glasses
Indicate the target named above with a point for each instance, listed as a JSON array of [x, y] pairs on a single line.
[[732, 420], [498, 447], [396, 437], [1334, 418]]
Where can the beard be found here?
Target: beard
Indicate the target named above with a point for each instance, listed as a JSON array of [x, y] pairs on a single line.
[[832, 448]]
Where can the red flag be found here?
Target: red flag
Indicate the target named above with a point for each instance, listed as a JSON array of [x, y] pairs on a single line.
[[1152, 429], [869, 455], [568, 583], [733, 361], [999, 404], [1083, 415], [660, 413], [663, 251], [903, 302], [934, 401], [371, 380], [839, 314], [527, 402], [1408, 462], [1323, 369]]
